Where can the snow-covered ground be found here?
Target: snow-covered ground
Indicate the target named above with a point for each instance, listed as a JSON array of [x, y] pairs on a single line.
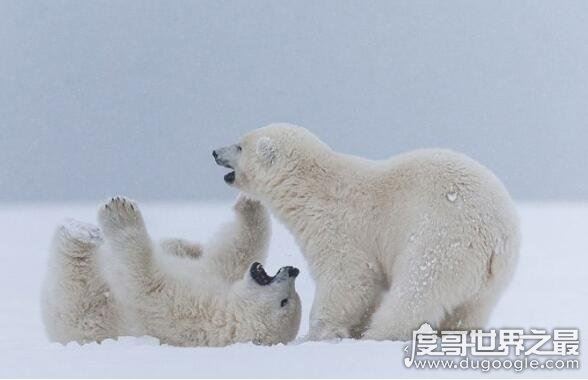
[[549, 290]]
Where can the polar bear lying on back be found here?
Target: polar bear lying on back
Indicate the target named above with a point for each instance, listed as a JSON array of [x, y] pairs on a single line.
[[427, 236], [95, 291]]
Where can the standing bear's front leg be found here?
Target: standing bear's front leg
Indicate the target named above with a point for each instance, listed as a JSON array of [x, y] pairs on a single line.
[[346, 295]]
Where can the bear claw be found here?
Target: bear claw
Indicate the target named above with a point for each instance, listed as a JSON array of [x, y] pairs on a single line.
[[119, 212]]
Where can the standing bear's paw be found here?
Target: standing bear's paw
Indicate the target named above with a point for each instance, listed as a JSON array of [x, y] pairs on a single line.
[[120, 215], [322, 331], [75, 238]]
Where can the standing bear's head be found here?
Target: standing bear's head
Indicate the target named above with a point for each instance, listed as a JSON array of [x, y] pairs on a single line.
[[267, 308], [271, 157]]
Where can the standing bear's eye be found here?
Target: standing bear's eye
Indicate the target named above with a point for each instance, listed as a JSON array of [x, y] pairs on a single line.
[[284, 302]]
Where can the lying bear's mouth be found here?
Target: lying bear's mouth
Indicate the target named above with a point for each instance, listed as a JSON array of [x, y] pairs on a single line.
[[259, 275]]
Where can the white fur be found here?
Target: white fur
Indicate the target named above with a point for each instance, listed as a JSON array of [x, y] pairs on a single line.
[[176, 291], [426, 236]]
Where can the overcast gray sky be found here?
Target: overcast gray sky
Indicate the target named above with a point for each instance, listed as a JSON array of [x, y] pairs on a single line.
[[104, 97]]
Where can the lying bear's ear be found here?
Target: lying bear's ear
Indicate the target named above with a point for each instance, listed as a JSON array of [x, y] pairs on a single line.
[[266, 150]]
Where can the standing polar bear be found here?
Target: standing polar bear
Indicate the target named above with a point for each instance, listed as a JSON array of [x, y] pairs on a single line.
[[426, 236], [210, 296]]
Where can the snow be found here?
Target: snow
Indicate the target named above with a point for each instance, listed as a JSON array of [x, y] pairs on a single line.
[[547, 292]]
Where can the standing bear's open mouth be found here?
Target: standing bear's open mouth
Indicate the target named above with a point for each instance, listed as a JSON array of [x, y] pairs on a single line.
[[229, 177]]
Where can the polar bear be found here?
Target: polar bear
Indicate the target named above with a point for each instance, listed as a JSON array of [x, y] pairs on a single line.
[[185, 296], [426, 236]]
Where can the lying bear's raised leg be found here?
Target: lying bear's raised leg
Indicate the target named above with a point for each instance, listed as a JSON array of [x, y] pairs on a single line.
[[132, 252], [77, 304], [344, 301], [241, 242]]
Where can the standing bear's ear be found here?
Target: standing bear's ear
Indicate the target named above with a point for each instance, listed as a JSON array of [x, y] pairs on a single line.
[[266, 150]]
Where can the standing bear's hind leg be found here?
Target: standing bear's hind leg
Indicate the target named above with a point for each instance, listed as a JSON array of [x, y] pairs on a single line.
[[398, 315], [430, 280], [76, 302], [471, 315]]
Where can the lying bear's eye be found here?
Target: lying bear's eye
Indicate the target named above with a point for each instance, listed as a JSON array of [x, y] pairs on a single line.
[[284, 302], [239, 148]]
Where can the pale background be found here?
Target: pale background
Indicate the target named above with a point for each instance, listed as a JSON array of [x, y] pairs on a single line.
[[104, 97]]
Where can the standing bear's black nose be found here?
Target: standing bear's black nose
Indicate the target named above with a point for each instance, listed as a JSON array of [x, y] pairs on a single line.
[[214, 154]]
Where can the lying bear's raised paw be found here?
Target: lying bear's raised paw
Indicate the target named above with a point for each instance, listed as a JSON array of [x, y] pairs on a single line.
[[244, 203], [119, 212]]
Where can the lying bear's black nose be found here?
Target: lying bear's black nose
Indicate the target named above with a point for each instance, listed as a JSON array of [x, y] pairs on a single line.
[[293, 272], [214, 154]]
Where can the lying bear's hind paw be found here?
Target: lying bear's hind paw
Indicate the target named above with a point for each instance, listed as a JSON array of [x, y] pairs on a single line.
[[75, 238]]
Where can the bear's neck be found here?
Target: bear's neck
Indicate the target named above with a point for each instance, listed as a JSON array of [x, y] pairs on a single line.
[[310, 200]]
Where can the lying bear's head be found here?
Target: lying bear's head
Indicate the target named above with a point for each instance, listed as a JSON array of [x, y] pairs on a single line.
[[266, 157], [267, 308]]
